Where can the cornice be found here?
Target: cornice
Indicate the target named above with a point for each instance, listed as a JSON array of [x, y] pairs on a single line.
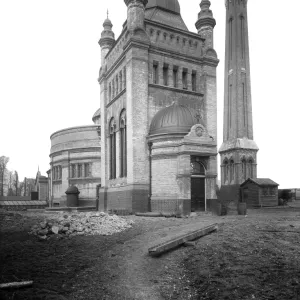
[[211, 61], [108, 41], [177, 30], [77, 150], [177, 90], [206, 21], [172, 54], [136, 42], [116, 98]]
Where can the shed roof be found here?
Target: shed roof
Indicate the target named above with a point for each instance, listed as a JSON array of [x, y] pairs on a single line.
[[261, 181]]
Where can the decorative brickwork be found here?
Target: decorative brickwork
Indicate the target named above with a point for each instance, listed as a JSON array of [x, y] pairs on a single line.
[[154, 63], [238, 151]]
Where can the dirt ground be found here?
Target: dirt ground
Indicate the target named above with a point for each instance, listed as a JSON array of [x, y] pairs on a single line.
[[253, 257]]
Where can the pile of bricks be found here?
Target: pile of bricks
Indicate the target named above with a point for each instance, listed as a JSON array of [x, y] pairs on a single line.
[[69, 225]]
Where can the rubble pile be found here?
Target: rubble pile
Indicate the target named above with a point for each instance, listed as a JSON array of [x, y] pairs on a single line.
[[69, 225]]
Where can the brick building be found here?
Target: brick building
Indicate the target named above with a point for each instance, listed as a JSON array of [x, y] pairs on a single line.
[[75, 160], [158, 108]]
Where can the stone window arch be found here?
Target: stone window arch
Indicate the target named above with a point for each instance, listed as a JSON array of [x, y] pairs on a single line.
[[109, 92], [121, 81], [117, 84], [244, 168], [123, 144], [112, 148], [250, 167], [197, 167], [232, 170], [124, 77], [113, 88], [226, 170]]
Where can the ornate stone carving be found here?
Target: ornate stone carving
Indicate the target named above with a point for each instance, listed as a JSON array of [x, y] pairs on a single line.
[[200, 133]]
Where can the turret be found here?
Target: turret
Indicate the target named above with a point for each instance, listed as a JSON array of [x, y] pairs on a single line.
[[107, 39], [135, 14], [206, 23]]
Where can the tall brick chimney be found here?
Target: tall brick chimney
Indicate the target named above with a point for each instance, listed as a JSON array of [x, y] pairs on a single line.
[[238, 151]]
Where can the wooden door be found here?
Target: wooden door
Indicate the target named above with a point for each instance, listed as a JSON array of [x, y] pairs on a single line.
[[198, 194]]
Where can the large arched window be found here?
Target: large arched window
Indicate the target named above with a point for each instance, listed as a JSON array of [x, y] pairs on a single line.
[[123, 145], [197, 167], [232, 173], [244, 168], [112, 148]]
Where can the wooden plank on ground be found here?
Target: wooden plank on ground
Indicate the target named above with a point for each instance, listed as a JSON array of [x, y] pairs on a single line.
[[16, 284], [175, 242]]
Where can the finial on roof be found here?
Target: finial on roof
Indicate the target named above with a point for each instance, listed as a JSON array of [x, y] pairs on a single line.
[[205, 17], [107, 35]]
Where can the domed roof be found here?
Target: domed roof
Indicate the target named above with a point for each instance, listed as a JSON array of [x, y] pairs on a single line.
[[171, 5], [173, 119], [107, 22]]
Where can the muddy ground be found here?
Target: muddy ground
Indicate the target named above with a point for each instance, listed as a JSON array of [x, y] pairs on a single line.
[[253, 257]]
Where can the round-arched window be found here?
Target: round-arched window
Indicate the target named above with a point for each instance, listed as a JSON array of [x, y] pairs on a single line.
[[197, 167]]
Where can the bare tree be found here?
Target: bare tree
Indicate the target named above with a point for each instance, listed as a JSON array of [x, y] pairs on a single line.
[[10, 183], [16, 183], [25, 186], [21, 188], [3, 172]]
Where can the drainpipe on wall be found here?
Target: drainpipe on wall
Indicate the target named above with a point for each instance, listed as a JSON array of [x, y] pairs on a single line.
[[150, 175]]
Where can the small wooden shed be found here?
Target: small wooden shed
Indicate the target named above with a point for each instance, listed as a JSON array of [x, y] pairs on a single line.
[[259, 192]]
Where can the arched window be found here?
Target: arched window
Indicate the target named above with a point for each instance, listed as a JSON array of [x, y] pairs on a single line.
[[117, 85], [197, 167], [232, 170], [244, 169], [124, 77], [250, 166], [112, 148], [121, 81], [113, 89], [123, 145], [226, 171], [109, 93]]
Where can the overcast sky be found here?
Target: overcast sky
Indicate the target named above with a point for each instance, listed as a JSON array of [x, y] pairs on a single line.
[[50, 58]]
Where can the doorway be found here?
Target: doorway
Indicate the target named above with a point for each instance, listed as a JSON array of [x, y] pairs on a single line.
[[198, 182], [198, 194]]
